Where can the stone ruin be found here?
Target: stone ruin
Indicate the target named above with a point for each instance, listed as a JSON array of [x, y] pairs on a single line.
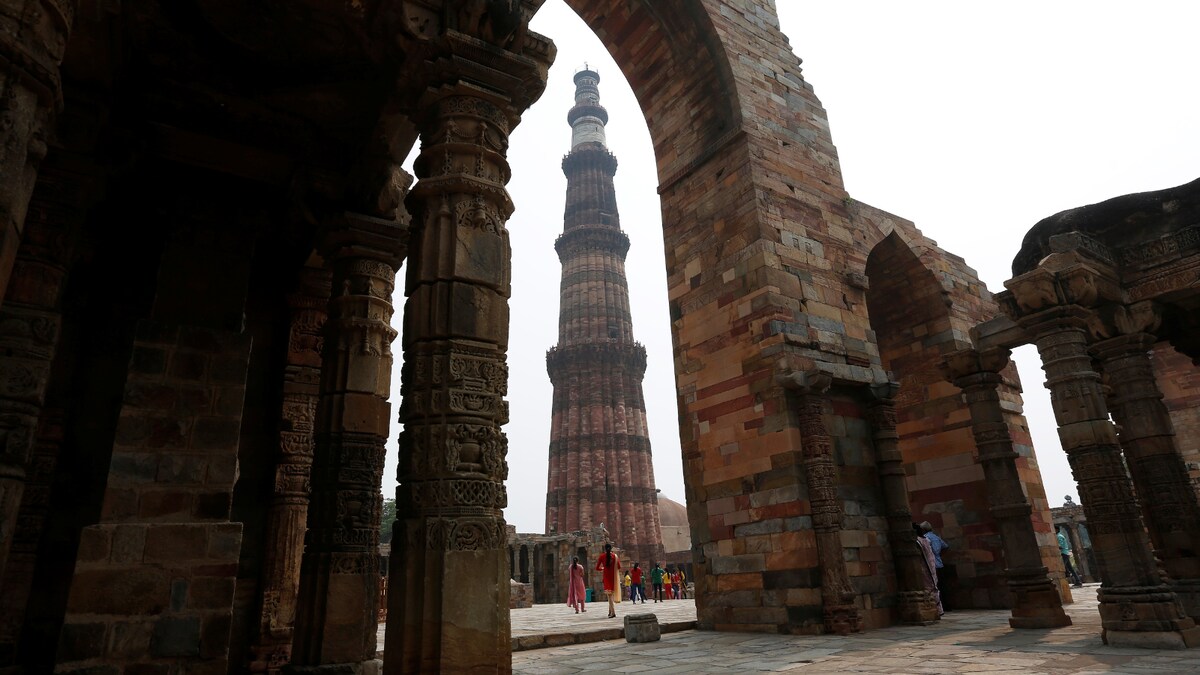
[[202, 213]]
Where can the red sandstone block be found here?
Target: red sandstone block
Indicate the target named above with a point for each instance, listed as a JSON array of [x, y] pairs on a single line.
[[94, 544], [164, 504], [739, 582], [135, 591], [166, 543], [794, 559]]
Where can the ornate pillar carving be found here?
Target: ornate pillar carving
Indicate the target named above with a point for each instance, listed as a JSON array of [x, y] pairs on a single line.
[[917, 605], [1137, 606], [30, 322], [33, 39], [1083, 567], [1036, 603], [450, 523], [337, 610], [812, 393], [1147, 436], [449, 566], [288, 513]]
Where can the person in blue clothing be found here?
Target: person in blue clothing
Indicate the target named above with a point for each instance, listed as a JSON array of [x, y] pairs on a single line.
[[1065, 549], [938, 545]]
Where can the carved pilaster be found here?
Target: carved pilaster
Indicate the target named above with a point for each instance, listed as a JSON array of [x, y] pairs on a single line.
[[1137, 607], [450, 523], [33, 39], [812, 395], [917, 605], [288, 512], [337, 610], [1036, 603], [1147, 436], [30, 322]]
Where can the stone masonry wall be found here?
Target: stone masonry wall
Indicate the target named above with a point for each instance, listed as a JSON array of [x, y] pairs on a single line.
[[154, 583], [1179, 381], [766, 256]]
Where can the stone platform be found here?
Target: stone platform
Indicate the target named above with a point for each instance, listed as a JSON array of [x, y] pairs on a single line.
[[968, 641], [556, 625]]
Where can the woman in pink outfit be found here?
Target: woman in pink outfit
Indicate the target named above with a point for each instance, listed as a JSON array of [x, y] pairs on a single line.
[[575, 587], [928, 567]]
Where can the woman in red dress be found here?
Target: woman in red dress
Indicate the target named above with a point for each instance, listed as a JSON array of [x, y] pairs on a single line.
[[610, 565]]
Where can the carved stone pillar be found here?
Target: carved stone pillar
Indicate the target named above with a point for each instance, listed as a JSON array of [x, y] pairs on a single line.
[[30, 321], [1148, 438], [1083, 567], [1137, 606], [337, 610], [33, 39], [288, 513], [450, 586], [917, 605], [1036, 603], [812, 390]]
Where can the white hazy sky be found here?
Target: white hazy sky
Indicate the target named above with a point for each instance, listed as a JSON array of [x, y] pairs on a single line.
[[973, 120]]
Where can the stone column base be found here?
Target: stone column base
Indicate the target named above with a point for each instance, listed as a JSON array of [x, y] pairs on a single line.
[[1146, 617], [1036, 603], [842, 619], [372, 667], [1188, 592], [917, 608]]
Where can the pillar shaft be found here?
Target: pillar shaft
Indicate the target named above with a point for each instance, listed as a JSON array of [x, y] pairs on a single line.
[[917, 605], [840, 613], [449, 543], [338, 607], [33, 39], [1159, 476], [1137, 607], [1036, 602], [1084, 568], [287, 515]]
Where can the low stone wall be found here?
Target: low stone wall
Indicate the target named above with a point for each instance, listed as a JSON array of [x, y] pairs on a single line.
[[520, 595]]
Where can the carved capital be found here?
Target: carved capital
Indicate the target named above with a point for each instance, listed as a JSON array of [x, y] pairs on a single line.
[[964, 363], [1061, 279], [806, 382], [1113, 320]]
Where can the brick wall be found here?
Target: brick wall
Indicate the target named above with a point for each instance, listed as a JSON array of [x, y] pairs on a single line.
[[154, 582], [1179, 382]]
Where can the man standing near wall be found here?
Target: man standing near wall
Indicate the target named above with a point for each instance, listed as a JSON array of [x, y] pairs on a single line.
[[1065, 549]]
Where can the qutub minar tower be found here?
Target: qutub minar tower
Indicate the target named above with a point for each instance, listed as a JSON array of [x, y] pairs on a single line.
[[600, 468]]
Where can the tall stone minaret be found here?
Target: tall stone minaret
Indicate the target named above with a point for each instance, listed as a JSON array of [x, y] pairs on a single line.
[[600, 468]]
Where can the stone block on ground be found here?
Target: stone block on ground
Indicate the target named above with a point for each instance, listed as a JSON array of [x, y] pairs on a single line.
[[642, 628]]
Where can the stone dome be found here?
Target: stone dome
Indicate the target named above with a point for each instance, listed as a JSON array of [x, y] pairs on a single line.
[[671, 513]]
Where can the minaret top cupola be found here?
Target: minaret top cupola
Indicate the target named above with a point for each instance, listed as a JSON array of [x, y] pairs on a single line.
[[588, 117]]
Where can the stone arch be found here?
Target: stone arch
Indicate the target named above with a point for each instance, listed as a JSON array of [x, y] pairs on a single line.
[[911, 316]]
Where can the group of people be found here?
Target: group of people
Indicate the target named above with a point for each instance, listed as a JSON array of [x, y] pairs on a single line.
[[672, 583]]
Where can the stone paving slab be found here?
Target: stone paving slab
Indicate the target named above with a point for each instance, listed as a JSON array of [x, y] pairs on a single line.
[[969, 641]]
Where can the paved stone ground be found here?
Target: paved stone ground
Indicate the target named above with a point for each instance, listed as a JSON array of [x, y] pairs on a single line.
[[970, 641]]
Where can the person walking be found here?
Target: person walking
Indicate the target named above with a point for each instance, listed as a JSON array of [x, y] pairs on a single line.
[[576, 588], [656, 580], [675, 585], [682, 583], [928, 567], [1065, 549], [609, 565], [943, 574], [636, 589]]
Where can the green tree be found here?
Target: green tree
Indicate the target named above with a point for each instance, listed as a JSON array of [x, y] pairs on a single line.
[[386, 520]]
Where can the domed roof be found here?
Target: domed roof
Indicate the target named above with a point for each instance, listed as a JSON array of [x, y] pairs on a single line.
[[671, 513]]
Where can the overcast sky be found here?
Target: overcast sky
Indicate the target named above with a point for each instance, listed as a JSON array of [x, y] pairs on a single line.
[[975, 121]]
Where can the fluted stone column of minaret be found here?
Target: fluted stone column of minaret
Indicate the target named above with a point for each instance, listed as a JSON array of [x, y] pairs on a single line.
[[600, 468]]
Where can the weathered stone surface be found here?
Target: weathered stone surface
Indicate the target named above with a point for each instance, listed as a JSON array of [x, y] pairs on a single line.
[[642, 628]]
